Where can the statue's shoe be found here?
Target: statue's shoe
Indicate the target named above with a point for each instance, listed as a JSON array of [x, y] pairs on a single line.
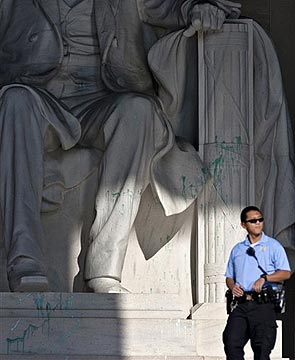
[[26, 275], [31, 283], [106, 285]]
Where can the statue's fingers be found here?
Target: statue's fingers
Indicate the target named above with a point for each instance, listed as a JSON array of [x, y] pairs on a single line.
[[206, 23], [217, 20], [220, 18], [189, 32], [213, 22], [197, 21]]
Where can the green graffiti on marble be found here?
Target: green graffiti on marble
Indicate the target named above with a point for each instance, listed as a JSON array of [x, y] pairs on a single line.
[[227, 157], [27, 333], [183, 179], [238, 141], [116, 195], [190, 190], [216, 169], [44, 311], [126, 199]]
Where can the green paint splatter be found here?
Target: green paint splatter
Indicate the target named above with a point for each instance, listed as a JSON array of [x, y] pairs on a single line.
[[217, 167], [44, 311], [28, 332], [183, 191], [225, 162], [116, 195], [238, 141]]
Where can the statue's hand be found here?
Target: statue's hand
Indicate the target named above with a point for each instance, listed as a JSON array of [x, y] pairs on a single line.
[[205, 17]]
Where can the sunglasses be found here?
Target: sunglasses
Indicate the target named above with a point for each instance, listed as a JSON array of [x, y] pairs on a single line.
[[254, 221]]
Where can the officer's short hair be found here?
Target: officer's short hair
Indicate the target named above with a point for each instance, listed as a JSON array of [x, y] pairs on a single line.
[[246, 210]]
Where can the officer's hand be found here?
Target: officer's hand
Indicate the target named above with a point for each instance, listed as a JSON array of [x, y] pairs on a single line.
[[205, 17], [237, 290], [257, 286]]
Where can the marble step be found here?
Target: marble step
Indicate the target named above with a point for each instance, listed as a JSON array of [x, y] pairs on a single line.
[[92, 305], [74, 326], [97, 325]]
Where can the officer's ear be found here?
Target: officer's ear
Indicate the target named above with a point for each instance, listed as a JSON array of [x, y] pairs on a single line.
[[243, 224]]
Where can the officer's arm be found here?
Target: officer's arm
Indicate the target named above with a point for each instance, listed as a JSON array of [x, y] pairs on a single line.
[[278, 276], [236, 289]]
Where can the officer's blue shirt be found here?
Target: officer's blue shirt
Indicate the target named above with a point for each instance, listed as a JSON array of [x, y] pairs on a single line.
[[243, 268]]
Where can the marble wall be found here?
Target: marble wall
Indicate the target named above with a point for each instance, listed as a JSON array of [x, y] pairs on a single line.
[[277, 18]]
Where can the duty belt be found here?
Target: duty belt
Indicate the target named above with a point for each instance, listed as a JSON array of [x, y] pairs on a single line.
[[261, 298], [267, 295]]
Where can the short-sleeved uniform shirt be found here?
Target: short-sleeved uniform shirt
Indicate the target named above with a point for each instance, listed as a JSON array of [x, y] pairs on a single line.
[[243, 268]]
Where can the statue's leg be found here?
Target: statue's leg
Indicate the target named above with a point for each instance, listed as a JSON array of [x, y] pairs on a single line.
[[23, 129], [133, 133]]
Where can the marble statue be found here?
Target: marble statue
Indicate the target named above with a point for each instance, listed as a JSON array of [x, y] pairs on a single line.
[[119, 77], [74, 73]]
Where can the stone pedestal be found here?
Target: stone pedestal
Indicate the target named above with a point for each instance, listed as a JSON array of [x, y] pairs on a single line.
[[102, 325], [110, 327]]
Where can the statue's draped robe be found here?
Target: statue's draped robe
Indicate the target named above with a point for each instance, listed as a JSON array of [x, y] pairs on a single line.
[[274, 154]]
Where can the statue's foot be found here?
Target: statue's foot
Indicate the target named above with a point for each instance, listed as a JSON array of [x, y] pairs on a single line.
[[30, 284], [106, 285], [25, 275]]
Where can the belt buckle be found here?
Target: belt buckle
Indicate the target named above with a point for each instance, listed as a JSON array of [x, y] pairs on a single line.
[[249, 297]]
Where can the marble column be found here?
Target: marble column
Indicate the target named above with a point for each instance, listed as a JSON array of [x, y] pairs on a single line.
[[226, 147]]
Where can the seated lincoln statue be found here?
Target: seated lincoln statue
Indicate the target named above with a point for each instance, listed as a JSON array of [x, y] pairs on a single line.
[[74, 73]]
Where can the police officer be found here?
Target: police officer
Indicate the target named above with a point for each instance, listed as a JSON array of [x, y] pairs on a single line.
[[254, 271]]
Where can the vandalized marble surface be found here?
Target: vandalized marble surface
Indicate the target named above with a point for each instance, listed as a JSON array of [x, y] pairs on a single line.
[[131, 325], [139, 175]]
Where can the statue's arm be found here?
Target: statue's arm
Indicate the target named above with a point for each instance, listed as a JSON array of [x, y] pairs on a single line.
[[175, 14], [6, 11]]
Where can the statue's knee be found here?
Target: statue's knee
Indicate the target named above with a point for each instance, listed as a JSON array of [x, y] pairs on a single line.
[[139, 104], [139, 110], [16, 95], [20, 108]]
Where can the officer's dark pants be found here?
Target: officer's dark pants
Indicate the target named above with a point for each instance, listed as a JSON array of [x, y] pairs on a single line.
[[254, 322]]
